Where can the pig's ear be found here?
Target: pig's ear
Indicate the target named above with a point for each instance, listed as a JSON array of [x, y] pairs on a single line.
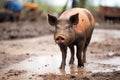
[[74, 19], [52, 20]]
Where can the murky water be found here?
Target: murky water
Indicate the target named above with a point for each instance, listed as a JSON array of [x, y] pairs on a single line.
[[50, 64]]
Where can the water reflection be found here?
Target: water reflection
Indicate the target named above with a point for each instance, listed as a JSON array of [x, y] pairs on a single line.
[[50, 64]]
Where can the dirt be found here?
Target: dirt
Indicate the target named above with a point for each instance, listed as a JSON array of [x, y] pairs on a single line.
[[28, 52], [25, 29]]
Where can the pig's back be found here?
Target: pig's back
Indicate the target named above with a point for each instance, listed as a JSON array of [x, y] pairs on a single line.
[[86, 19]]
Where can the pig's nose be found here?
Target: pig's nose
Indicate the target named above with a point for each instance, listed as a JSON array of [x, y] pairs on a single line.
[[60, 39]]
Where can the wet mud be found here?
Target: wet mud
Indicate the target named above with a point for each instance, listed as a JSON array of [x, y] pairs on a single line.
[[37, 57]]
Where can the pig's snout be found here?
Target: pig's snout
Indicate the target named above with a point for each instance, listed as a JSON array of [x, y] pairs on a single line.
[[60, 39]]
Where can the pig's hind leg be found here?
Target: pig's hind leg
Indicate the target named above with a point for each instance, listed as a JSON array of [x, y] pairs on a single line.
[[79, 50], [86, 45]]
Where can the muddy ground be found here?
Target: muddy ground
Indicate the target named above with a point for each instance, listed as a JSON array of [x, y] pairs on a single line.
[[28, 52]]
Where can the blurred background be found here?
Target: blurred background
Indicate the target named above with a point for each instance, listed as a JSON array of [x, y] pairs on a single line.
[[24, 13], [107, 8]]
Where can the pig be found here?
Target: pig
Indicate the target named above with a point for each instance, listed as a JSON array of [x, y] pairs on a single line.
[[6, 15], [73, 27]]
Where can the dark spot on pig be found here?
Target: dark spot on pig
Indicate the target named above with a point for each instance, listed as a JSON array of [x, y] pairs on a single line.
[[88, 15], [82, 20]]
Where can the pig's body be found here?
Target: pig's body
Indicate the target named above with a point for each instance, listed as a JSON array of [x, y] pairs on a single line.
[[73, 28], [86, 19]]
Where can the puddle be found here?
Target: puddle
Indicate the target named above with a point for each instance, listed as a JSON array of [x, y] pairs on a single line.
[[50, 64], [42, 64], [104, 65]]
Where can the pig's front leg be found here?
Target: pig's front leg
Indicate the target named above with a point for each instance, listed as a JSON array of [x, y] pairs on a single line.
[[64, 53], [72, 54]]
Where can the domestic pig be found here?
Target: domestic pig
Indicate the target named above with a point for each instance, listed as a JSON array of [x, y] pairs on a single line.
[[73, 27]]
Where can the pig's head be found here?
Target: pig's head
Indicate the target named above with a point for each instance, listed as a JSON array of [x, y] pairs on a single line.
[[64, 29]]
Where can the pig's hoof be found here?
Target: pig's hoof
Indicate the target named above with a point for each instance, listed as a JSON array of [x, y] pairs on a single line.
[[80, 65], [84, 61], [62, 67]]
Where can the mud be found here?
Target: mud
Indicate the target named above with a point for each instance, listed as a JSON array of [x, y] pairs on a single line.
[[28, 52], [24, 29]]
